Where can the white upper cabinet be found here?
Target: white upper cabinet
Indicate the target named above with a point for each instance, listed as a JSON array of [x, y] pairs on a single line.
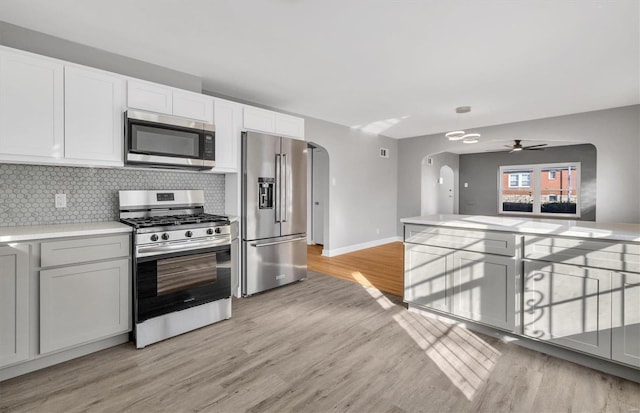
[[289, 125], [158, 98], [259, 119], [31, 107], [94, 104], [263, 120], [149, 96], [228, 125], [193, 105]]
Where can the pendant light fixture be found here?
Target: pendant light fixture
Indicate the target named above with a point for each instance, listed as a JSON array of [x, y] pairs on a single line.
[[457, 135]]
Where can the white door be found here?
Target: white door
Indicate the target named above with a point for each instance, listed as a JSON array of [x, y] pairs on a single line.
[[227, 121], [445, 191], [320, 191], [14, 304]]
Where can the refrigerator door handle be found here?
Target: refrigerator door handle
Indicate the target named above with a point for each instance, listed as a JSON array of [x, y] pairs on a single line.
[[285, 180], [266, 244], [278, 189]]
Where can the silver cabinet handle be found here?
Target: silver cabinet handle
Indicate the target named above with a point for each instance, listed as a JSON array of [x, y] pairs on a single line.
[[266, 244]]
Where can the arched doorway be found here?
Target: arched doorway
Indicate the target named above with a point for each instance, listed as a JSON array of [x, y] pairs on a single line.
[[318, 195]]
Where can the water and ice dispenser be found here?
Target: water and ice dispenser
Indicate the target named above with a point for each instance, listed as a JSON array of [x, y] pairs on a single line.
[[265, 192]]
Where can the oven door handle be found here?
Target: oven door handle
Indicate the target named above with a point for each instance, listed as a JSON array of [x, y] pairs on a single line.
[[266, 244], [182, 247]]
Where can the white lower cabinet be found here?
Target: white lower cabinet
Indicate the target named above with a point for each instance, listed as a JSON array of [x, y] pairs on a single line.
[[428, 276], [626, 318], [485, 288], [14, 304], [83, 303], [480, 287], [568, 305]]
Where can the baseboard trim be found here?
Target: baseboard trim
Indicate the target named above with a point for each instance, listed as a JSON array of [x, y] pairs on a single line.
[[356, 247]]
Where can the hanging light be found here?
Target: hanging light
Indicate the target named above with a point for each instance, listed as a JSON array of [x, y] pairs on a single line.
[[471, 138], [457, 135]]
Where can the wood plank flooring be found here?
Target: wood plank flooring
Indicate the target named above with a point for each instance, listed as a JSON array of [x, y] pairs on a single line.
[[380, 267], [321, 345]]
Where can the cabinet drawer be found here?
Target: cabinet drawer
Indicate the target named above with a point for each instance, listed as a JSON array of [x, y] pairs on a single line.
[[84, 250], [478, 241], [618, 256]]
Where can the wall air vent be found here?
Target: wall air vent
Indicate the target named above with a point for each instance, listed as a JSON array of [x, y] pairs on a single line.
[[384, 153]]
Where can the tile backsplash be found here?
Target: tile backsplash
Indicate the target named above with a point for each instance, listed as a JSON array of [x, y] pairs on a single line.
[[27, 192]]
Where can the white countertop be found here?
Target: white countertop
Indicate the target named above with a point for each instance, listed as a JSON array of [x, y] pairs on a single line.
[[568, 228], [36, 232]]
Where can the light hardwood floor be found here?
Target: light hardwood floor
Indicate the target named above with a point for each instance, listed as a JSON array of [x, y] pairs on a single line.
[[380, 267], [321, 345]]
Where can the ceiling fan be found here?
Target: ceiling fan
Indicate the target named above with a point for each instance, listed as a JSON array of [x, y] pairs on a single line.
[[517, 146]]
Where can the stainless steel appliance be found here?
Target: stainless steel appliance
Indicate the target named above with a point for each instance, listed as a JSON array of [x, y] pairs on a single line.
[[274, 212], [182, 264], [158, 140]]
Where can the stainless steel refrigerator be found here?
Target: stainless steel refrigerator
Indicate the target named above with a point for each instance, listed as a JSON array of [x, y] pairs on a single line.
[[274, 211]]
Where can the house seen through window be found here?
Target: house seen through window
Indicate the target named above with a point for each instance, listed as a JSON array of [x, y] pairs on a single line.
[[541, 189]]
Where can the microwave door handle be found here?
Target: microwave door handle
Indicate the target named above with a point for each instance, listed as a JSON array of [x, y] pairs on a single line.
[[285, 182], [277, 187]]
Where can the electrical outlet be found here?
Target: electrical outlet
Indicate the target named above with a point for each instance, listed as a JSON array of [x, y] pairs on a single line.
[[61, 200]]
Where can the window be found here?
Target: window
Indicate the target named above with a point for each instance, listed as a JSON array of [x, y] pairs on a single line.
[[542, 189], [520, 180]]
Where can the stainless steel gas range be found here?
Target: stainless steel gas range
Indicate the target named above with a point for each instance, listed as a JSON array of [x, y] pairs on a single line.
[[182, 266]]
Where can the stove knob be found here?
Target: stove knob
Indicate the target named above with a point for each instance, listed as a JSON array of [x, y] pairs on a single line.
[[165, 236], [188, 234], [154, 237], [218, 230], [210, 231]]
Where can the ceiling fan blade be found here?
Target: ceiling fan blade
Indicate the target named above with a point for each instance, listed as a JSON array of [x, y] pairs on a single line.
[[508, 146], [535, 146], [529, 148]]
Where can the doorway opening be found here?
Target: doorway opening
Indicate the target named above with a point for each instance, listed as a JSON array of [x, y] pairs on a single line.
[[317, 195], [439, 187]]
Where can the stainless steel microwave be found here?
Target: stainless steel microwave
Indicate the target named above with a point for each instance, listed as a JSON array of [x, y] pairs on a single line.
[[162, 141]]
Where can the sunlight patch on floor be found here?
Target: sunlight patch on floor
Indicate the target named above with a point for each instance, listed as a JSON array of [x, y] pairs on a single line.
[[462, 356]]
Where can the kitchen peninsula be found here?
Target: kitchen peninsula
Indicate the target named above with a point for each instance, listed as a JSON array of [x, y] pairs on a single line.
[[567, 288]]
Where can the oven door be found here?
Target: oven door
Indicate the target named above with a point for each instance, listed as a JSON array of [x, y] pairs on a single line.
[[168, 141], [179, 280]]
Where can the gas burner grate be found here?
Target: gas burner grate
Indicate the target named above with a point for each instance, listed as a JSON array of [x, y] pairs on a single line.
[[175, 220]]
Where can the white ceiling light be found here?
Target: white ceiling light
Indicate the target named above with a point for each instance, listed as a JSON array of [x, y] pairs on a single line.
[[471, 138], [457, 135]]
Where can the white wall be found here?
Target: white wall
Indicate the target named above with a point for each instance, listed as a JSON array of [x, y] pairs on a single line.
[[614, 132], [362, 188]]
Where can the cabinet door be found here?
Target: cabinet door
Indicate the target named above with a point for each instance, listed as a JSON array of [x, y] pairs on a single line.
[[31, 107], [485, 288], [227, 121], [193, 105], [625, 339], [83, 303], [94, 106], [289, 126], [149, 96], [427, 276], [259, 119], [14, 304], [569, 306]]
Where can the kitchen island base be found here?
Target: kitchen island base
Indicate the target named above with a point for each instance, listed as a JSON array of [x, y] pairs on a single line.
[[604, 366]]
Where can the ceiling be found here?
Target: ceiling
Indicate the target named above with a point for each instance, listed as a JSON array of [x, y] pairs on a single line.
[[398, 68]]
